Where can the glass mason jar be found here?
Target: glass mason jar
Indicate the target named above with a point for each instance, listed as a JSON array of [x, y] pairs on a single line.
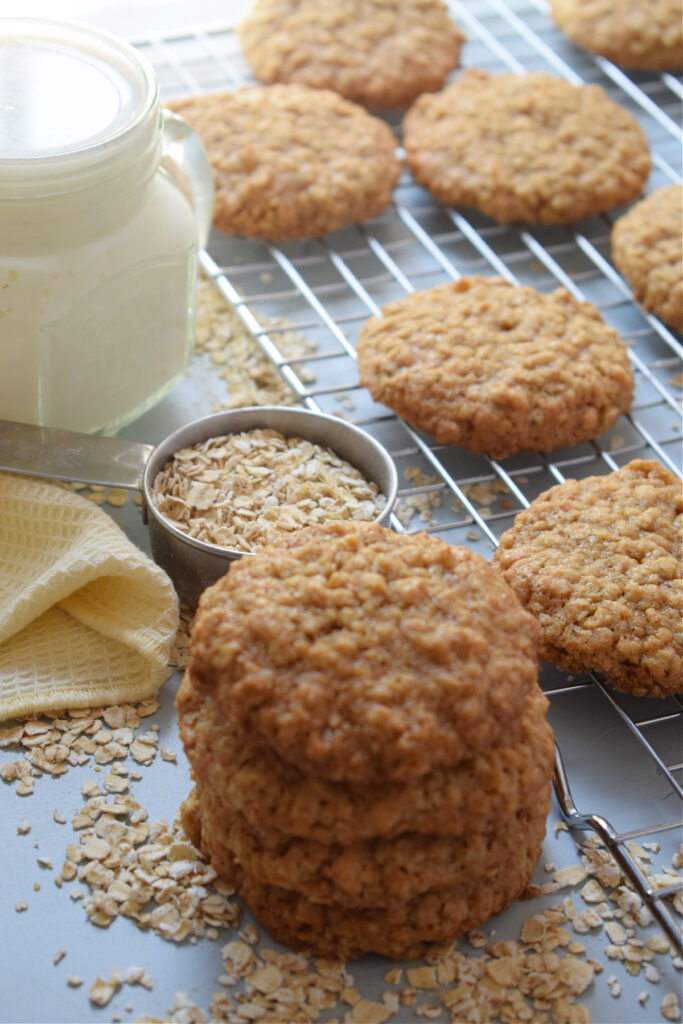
[[104, 201]]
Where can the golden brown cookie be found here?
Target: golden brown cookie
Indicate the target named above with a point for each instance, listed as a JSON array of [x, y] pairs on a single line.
[[372, 52], [292, 162], [496, 368], [598, 562], [403, 930], [647, 248], [528, 147], [361, 654], [374, 873], [471, 797], [633, 33]]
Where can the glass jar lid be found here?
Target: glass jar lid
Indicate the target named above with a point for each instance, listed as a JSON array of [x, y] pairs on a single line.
[[73, 102]]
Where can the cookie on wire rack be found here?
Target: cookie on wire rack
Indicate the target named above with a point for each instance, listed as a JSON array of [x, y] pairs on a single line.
[[379, 54], [291, 162], [531, 147], [647, 248], [497, 368], [598, 562], [646, 34]]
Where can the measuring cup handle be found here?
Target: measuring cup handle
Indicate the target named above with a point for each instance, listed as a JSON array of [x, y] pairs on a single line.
[[67, 455], [185, 160]]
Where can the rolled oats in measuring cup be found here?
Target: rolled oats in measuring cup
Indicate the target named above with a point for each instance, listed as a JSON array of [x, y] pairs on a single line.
[[104, 201]]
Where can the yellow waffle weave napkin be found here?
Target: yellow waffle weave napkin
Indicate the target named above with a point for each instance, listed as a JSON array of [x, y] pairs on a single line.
[[86, 618]]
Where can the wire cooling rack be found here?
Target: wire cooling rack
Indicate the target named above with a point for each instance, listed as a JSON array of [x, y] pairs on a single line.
[[623, 754]]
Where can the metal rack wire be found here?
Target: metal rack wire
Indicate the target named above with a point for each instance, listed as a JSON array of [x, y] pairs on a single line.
[[326, 288]]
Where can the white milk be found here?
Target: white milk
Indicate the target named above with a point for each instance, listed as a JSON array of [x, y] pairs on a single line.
[[98, 246]]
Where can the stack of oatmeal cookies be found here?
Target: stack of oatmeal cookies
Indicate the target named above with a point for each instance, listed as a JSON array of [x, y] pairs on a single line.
[[368, 739]]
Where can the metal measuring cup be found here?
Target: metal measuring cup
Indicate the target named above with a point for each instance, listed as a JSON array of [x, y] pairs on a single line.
[[192, 564]]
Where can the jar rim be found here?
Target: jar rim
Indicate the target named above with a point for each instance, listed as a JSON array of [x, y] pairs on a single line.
[[53, 145]]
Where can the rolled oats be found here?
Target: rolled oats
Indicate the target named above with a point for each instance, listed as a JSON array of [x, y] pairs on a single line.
[[244, 490]]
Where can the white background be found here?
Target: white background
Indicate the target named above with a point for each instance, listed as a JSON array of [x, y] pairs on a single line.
[[129, 17]]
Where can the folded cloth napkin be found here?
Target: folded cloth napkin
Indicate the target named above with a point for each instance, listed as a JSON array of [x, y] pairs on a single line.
[[86, 618]]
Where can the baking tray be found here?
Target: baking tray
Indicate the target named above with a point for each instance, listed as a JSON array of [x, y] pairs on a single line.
[[623, 754]]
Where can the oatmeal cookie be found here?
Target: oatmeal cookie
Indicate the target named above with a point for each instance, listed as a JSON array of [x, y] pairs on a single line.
[[361, 654], [402, 931], [291, 162], [598, 562], [647, 248], [471, 797], [528, 147], [374, 873], [372, 52], [644, 34], [496, 368]]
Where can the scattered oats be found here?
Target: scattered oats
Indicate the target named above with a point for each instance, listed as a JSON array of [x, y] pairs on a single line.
[[167, 754], [422, 977], [616, 933], [24, 787], [476, 939], [23, 828], [117, 496], [592, 892], [143, 753], [571, 875], [115, 783], [73, 981], [21, 907], [58, 817], [670, 1007], [613, 986], [652, 974], [101, 991], [250, 934], [76, 894], [59, 956], [658, 943], [407, 996], [366, 1012], [393, 977]]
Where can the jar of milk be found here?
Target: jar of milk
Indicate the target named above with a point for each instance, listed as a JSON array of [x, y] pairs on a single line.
[[104, 201]]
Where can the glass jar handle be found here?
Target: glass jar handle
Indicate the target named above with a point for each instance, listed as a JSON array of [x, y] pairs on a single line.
[[185, 160]]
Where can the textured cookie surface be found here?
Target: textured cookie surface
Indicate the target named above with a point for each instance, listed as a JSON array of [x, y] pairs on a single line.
[[497, 368], [632, 33], [598, 562], [292, 162], [402, 931], [358, 653], [471, 797], [378, 53], [647, 247], [374, 873], [529, 147]]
